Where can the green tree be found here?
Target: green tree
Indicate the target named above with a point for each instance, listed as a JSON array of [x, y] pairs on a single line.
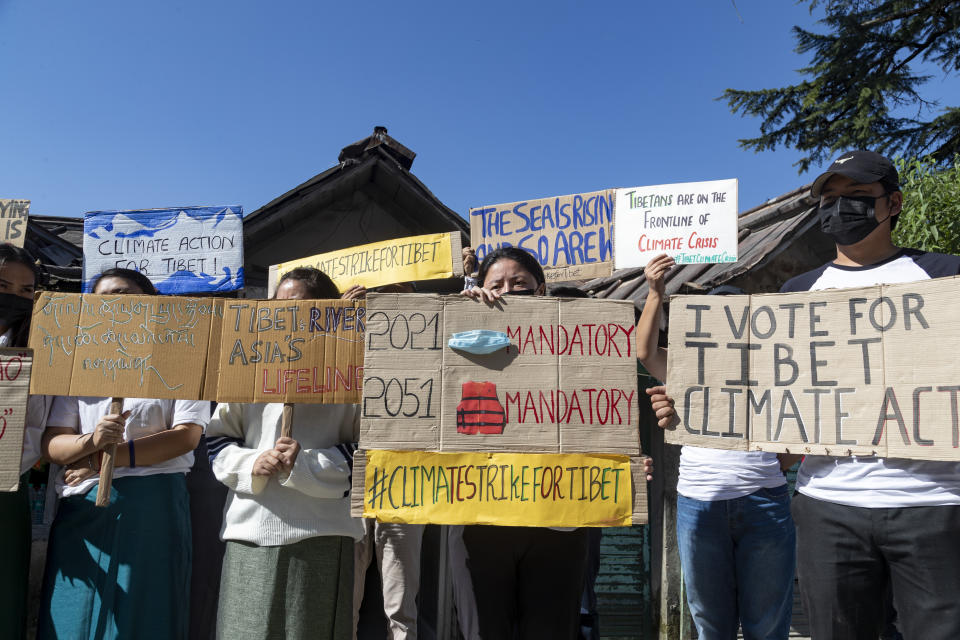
[[931, 210], [860, 82]]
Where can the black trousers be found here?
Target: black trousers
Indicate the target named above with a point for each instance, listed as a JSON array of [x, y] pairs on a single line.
[[527, 581], [847, 557], [207, 498]]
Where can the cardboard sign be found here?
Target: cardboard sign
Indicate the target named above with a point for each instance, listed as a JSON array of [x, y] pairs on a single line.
[[694, 222], [15, 367], [13, 221], [198, 348], [571, 236], [184, 250], [291, 351], [869, 371], [567, 383], [429, 257], [121, 345], [516, 489]]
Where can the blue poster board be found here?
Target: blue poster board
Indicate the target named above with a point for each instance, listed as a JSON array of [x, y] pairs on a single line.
[[183, 250]]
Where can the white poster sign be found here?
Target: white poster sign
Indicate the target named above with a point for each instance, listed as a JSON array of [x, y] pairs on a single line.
[[694, 222]]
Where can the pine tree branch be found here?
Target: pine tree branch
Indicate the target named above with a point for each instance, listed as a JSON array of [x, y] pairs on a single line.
[[858, 79], [906, 14], [921, 48]]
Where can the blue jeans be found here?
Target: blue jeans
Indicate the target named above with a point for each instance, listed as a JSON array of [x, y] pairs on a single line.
[[738, 559]]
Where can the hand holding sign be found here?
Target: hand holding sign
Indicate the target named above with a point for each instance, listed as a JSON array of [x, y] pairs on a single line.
[[356, 292], [107, 434], [109, 429], [469, 260], [289, 449], [268, 463], [663, 406], [656, 271]]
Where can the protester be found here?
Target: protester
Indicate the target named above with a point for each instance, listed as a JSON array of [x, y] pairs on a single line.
[[866, 524], [863, 521], [207, 500], [735, 536], [18, 278], [397, 546], [527, 581], [589, 614], [469, 267], [461, 586], [288, 568], [120, 571]]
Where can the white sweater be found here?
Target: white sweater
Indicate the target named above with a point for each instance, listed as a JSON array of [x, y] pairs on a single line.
[[313, 499]]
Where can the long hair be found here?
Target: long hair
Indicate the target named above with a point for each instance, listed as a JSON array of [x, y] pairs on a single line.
[[319, 285], [130, 275], [12, 254], [526, 260]]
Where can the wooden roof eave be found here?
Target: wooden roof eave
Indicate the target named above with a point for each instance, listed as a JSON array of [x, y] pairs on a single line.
[[342, 180]]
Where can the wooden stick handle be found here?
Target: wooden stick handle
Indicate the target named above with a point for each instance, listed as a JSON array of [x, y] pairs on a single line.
[[106, 464], [286, 426]]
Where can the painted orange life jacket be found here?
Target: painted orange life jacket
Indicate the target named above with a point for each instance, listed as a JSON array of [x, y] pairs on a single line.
[[479, 410]]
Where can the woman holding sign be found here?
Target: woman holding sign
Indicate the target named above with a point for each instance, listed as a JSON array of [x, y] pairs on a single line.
[[735, 535], [121, 571], [527, 581], [18, 278], [288, 568]]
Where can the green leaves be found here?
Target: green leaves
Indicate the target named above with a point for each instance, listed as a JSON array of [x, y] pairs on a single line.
[[931, 205], [861, 69]]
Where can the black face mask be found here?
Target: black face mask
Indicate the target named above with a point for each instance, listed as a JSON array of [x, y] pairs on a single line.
[[520, 292], [14, 309], [848, 220]]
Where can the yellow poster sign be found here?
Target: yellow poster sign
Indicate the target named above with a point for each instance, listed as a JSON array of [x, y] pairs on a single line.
[[429, 257], [509, 489]]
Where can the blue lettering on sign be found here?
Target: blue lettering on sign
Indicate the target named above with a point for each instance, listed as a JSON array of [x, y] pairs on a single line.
[[181, 250], [562, 214], [518, 211], [581, 235]]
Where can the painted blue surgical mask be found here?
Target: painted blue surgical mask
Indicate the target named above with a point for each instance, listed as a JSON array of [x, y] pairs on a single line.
[[479, 341]]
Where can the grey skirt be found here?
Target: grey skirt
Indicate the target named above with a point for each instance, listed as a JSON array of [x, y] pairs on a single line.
[[297, 591]]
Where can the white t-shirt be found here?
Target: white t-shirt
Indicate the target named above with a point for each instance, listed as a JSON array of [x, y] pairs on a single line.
[[38, 406], [147, 416], [34, 421], [869, 481], [716, 474]]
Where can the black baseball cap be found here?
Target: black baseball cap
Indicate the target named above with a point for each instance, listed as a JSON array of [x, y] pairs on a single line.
[[863, 167]]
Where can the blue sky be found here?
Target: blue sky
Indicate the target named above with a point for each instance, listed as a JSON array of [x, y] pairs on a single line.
[[112, 104]]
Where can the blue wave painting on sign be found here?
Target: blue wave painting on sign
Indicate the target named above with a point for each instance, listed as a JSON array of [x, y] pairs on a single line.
[[182, 250]]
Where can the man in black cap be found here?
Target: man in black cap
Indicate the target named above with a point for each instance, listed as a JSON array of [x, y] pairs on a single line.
[[864, 522]]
